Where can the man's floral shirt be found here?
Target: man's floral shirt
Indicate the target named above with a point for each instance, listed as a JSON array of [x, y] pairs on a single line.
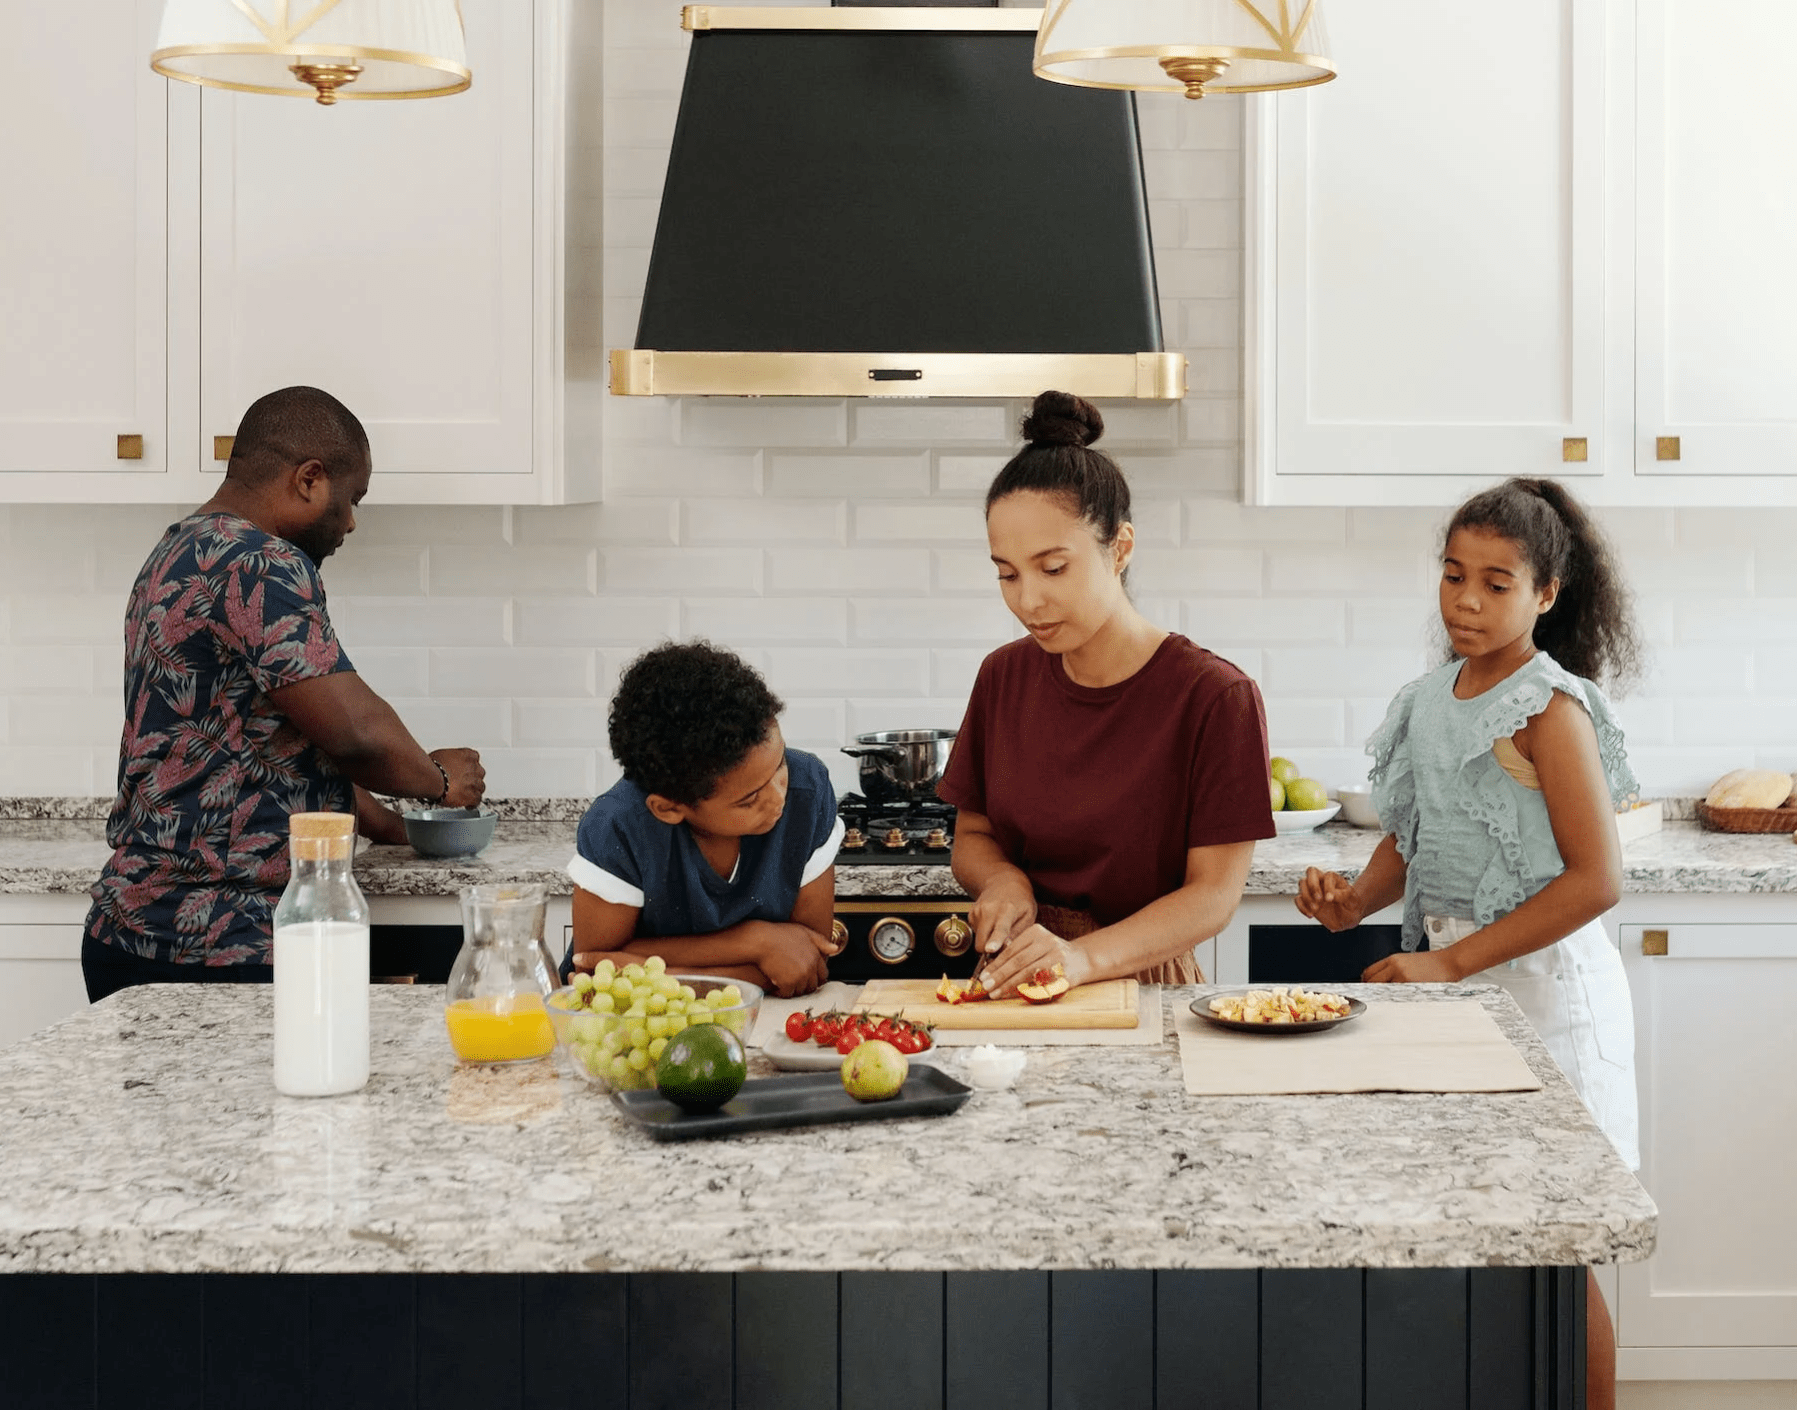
[[209, 770]]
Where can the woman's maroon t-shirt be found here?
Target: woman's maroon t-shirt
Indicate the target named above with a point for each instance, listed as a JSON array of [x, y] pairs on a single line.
[[1097, 793]]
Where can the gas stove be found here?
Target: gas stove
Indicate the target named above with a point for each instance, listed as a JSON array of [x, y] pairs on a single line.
[[889, 833]]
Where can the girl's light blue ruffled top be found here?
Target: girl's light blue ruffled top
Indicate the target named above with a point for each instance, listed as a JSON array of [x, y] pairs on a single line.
[[1476, 842]]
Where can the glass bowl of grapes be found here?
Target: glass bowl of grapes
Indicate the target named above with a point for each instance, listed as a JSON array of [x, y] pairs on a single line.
[[612, 1024]]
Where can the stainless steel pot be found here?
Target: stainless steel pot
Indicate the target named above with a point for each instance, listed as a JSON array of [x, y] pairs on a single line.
[[901, 765]]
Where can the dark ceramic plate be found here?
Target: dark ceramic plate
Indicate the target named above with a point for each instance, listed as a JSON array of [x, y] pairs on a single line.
[[813, 1099], [1201, 1007]]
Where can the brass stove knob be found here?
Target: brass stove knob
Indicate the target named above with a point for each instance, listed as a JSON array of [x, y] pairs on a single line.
[[937, 841], [895, 837], [954, 936], [853, 840], [839, 937]]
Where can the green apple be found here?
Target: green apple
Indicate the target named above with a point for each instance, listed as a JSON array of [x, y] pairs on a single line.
[[1277, 790], [1302, 795], [1284, 770]]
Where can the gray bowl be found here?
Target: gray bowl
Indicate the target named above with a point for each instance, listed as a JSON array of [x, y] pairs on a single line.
[[450, 832]]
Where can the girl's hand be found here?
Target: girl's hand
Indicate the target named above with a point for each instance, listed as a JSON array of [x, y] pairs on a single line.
[[1024, 954], [1423, 967], [1328, 897], [1003, 909]]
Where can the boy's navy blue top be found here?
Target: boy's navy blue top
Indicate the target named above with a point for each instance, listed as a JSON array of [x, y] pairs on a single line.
[[628, 856]]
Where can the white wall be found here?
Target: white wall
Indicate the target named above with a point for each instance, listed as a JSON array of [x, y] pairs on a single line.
[[839, 546]]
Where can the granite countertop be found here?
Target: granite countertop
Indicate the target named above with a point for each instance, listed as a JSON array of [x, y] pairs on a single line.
[[49, 854], [145, 1134]]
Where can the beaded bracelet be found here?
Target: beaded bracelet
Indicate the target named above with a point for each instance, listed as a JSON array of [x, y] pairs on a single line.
[[442, 797]]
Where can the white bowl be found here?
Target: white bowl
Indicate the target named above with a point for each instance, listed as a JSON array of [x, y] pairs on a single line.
[[1304, 821], [1357, 805]]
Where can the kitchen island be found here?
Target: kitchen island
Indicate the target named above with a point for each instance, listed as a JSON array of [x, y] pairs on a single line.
[[1094, 1236]]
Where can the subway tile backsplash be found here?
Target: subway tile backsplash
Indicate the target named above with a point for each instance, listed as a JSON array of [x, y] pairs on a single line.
[[839, 546]]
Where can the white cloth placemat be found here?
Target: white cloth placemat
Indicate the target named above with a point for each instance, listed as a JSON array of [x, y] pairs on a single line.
[[1452, 1046], [835, 995]]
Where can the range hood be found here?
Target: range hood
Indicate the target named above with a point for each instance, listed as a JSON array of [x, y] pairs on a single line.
[[887, 202]]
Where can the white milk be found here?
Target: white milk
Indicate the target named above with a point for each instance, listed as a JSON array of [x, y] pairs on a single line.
[[321, 1008]]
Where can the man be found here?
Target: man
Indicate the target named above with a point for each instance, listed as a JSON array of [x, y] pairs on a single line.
[[241, 709]]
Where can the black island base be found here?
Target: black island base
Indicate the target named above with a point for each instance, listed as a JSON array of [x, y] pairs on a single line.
[[1310, 1339]]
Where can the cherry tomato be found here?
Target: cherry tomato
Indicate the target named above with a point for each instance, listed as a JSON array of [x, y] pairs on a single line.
[[851, 1040], [908, 1043], [798, 1026], [826, 1030]]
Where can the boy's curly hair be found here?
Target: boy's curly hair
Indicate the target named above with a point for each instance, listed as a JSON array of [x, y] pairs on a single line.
[[684, 715]]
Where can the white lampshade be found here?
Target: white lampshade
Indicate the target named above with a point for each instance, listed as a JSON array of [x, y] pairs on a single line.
[[1183, 46], [323, 49]]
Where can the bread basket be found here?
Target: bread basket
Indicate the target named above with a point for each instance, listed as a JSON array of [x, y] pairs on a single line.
[[1748, 819]]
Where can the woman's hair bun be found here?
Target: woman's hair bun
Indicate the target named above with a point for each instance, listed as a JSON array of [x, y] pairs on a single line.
[[1062, 419]]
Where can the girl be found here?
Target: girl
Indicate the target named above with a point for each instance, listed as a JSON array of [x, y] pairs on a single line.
[[1497, 777], [1111, 777]]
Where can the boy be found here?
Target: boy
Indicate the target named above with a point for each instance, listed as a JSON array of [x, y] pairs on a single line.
[[716, 850]]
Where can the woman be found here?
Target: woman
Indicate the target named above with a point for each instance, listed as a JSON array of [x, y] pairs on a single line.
[[1111, 777]]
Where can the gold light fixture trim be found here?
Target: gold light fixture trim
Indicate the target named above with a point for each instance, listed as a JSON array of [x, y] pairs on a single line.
[[324, 71], [1194, 69], [640, 372]]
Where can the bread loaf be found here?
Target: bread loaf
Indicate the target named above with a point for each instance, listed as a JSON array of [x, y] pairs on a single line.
[[1750, 788]]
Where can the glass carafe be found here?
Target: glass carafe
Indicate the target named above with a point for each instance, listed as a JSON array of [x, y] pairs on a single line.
[[496, 1010], [321, 963]]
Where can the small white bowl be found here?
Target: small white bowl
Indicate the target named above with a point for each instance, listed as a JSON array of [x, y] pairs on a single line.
[[993, 1068], [1284, 822], [1357, 805]]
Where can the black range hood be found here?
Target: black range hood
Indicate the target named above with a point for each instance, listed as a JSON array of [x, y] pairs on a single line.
[[887, 202]]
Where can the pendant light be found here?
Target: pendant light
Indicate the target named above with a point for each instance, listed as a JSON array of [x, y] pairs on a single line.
[[1192, 47], [323, 49]]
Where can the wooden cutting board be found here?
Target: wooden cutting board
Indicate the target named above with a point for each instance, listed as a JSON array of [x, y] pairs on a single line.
[[1110, 1003]]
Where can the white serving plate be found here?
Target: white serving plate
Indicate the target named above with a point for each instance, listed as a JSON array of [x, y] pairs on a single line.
[[789, 1056], [1284, 822]]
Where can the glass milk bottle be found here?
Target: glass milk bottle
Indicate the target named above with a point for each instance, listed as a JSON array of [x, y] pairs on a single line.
[[494, 1004], [321, 963]]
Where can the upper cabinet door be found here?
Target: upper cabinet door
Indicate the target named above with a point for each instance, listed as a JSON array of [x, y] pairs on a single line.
[[83, 249], [1426, 257], [383, 251], [1716, 277]]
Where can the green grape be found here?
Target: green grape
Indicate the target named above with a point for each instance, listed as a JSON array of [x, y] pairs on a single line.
[[734, 1021], [688, 993], [634, 972], [702, 1016], [639, 1035], [655, 964], [619, 1069], [657, 1025], [656, 1048], [583, 984], [603, 1003], [676, 1005], [667, 986], [638, 1058], [636, 1011], [622, 990], [676, 1023], [716, 1000], [614, 1042], [732, 996], [585, 1028], [656, 1003]]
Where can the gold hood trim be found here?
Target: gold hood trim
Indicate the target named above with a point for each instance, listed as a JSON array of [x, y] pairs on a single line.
[[1148, 376]]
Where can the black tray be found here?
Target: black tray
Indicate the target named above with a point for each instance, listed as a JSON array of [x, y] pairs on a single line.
[[1201, 1007], [811, 1099]]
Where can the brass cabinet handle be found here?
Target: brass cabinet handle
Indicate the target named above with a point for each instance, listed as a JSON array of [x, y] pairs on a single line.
[[221, 447], [1574, 448], [131, 447], [1655, 942], [1665, 448]]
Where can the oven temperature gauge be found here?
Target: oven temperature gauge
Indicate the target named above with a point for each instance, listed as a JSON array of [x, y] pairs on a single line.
[[891, 940]]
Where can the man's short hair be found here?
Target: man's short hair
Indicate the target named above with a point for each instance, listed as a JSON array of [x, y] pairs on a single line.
[[685, 714], [293, 425]]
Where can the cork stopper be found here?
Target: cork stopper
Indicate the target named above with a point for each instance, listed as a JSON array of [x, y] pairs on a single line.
[[322, 837]]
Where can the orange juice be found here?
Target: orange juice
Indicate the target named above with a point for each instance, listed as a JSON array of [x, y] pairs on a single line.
[[500, 1028]]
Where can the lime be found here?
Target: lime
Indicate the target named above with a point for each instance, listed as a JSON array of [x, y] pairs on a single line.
[[701, 1068], [1283, 770], [1277, 790], [1304, 794]]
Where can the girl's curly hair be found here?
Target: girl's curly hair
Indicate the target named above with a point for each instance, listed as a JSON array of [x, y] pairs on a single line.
[[1591, 628], [684, 715]]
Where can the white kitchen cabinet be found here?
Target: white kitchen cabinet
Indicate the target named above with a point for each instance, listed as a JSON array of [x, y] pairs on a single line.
[[205, 247], [83, 253], [1716, 222], [1715, 1058], [1559, 250], [40, 963]]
